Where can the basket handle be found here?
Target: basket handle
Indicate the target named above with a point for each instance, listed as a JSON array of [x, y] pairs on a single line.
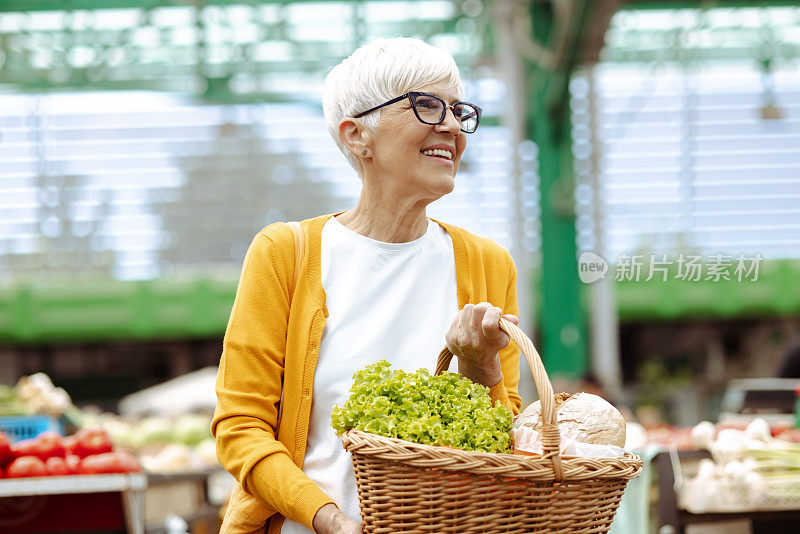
[[551, 439]]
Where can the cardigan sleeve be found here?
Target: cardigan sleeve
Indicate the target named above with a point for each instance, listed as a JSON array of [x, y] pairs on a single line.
[[506, 391], [249, 388]]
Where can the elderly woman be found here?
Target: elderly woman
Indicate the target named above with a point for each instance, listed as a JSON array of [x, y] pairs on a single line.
[[381, 280]]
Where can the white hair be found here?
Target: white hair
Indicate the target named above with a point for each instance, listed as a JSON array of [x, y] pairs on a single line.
[[379, 71]]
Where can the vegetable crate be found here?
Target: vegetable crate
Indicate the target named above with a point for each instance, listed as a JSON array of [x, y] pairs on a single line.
[[766, 495], [412, 488], [21, 427]]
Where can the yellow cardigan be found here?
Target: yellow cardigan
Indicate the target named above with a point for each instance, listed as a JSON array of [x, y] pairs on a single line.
[[274, 337]]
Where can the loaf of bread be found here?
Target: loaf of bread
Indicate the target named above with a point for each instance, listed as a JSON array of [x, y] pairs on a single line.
[[582, 417]]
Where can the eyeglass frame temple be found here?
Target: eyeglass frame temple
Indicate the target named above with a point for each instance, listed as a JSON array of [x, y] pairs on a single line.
[[392, 101], [414, 107]]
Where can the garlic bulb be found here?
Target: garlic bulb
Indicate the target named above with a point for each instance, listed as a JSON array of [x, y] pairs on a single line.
[[703, 435], [735, 472], [758, 430], [707, 470], [581, 417]]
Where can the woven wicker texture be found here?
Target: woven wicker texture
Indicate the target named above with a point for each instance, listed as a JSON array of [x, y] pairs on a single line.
[[411, 488]]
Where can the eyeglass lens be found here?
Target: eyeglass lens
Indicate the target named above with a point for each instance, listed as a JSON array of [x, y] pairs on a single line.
[[431, 110]]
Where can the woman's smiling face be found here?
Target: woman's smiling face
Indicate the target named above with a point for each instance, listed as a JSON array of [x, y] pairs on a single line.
[[419, 158]]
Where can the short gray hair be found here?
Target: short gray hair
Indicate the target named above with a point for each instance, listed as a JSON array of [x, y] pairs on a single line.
[[379, 71]]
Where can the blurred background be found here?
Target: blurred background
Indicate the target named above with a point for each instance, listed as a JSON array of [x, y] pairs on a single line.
[[144, 143]]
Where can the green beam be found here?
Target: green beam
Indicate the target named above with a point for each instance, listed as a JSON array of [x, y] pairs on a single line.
[[563, 329], [562, 321]]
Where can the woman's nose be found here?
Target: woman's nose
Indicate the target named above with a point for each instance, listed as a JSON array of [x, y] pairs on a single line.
[[450, 123]]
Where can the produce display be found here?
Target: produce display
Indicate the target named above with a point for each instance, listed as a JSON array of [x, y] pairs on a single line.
[[163, 445], [36, 395], [446, 410], [159, 444], [89, 451], [105, 454], [750, 470]]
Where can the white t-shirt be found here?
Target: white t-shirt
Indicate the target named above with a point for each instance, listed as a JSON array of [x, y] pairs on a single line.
[[392, 301]]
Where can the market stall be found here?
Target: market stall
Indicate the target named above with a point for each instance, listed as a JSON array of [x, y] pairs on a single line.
[[741, 474], [64, 469]]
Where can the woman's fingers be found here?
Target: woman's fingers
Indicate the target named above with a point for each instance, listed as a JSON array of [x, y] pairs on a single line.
[[490, 325], [476, 330], [478, 321], [475, 337], [474, 317], [478, 327]]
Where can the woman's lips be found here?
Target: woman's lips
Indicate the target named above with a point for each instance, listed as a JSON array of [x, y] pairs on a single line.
[[440, 158]]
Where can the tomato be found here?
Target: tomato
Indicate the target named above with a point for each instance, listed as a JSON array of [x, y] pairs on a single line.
[[97, 464], [69, 443], [44, 446], [27, 466], [6, 453], [109, 462], [50, 445], [26, 447], [90, 441], [56, 466], [127, 462], [73, 464]]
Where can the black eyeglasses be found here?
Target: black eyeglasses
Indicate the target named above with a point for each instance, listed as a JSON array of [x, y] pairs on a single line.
[[430, 109]]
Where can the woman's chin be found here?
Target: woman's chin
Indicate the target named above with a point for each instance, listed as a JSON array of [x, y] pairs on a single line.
[[451, 184], [443, 185], [431, 186]]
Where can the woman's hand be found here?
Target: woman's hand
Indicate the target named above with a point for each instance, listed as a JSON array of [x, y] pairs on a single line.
[[475, 338], [330, 520]]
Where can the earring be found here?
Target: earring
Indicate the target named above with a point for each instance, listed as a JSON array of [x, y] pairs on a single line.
[[364, 152]]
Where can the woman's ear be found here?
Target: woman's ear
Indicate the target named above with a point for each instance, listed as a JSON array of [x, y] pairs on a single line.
[[355, 137]]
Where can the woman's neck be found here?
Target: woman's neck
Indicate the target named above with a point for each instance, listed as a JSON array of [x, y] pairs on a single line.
[[386, 220]]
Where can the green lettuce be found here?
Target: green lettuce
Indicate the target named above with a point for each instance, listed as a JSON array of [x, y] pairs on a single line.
[[447, 410]]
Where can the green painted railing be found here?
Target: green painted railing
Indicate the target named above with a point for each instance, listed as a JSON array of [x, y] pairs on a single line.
[[115, 310], [162, 309], [776, 292]]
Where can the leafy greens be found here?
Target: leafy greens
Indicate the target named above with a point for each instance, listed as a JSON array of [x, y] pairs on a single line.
[[447, 410]]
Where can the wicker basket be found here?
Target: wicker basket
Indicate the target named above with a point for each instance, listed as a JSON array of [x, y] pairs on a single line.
[[411, 488]]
